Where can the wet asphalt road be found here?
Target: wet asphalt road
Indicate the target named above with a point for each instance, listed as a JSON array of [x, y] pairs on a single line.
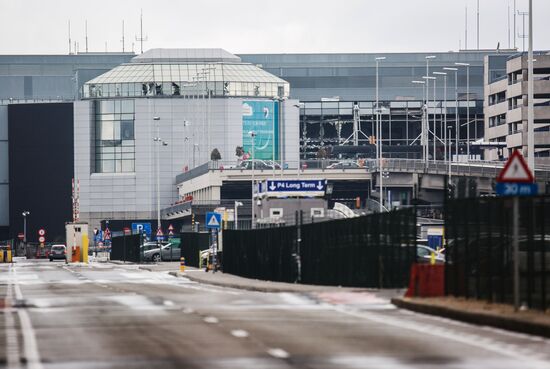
[[112, 316]]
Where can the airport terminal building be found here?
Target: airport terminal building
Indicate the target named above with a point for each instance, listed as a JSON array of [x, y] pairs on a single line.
[[97, 112], [164, 113]]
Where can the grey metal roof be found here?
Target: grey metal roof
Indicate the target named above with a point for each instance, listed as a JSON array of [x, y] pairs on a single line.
[[186, 56]]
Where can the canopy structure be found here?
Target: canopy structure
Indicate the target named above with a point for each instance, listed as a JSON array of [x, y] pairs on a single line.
[[186, 72]]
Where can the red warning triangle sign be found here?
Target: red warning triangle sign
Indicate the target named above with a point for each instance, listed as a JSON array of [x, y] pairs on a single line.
[[159, 232], [516, 170]]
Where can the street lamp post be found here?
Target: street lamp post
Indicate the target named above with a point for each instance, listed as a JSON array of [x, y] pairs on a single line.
[[467, 65], [444, 106], [423, 140], [428, 78], [25, 214], [252, 135], [530, 96], [449, 128], [379, 139], [456, 111], [159, 143]]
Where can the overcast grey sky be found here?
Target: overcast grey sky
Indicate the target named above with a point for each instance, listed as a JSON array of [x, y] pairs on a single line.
[[260, 26]]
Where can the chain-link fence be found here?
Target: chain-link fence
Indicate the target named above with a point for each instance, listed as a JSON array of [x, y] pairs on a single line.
[[480, 257]]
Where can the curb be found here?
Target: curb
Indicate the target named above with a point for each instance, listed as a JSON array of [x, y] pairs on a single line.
[[506, 323], [273, 288], [270, 289]]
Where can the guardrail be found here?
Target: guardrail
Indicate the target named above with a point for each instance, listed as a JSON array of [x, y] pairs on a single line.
[[475, 168]]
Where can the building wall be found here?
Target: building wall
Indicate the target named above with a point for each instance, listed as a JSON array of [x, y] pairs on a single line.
[[183, 124], [514, 89], [52, 76], [4, 173], [352, 77], [40, 168]]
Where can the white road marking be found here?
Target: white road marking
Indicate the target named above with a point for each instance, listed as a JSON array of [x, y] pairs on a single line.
[[168, 303], [239, 333], [12, 342], [278, 353], [188, 311], [531, 360], [211, 320], [32, 355]]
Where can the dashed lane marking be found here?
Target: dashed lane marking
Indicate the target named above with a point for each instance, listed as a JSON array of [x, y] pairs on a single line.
[[239, 333], [211, 320], [278, 353]]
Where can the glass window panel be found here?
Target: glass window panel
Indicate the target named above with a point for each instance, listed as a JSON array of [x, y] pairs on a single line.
[[107, 130], [128, 166], [127, 129], [107, 166]]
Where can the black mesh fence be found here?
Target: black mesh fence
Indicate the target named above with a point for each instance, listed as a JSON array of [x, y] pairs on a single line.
[[127, 248], [370, 251], [479, 235], [192, 243]]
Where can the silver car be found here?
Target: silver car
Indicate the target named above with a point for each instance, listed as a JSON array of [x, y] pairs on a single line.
[[170, 252]]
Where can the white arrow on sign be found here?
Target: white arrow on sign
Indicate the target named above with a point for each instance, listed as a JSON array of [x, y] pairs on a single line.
[[320, 186], [272, 186]]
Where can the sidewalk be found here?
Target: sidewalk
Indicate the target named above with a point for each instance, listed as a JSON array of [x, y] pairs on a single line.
[[233, 281], [480, 313]]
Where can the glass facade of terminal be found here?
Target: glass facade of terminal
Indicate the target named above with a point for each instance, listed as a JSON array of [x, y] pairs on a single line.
[[114, 142], [173, 80]]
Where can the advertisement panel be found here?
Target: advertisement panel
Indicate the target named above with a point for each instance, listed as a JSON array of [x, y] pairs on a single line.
[[261, 117]]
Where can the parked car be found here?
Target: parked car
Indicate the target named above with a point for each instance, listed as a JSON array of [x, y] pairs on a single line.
[[58, 252], [168, 252]]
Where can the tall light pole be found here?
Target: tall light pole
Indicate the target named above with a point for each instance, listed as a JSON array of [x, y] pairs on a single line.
[[423, 131], [467, 65], [159, 143], [25, 214], [449, 128], [428, 58], [530, 96], [456, 110], [379, 139], [428, 78], [444, 124], [252, 135]]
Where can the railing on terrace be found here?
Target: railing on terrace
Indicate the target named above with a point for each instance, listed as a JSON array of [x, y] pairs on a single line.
[[480, 168]]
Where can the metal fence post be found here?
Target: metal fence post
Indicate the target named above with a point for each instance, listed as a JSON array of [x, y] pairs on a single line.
[[515, 245]]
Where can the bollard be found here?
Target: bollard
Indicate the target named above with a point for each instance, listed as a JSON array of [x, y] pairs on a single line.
[[182, 264]]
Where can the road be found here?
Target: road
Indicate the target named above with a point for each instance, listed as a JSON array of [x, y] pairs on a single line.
[[117, 316]]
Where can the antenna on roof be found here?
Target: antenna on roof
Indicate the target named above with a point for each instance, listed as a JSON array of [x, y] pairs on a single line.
[[141, 38], [69, 37], [86, 33], [123, 35], [466, 29]]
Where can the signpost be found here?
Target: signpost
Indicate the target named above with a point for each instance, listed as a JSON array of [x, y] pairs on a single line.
[[160, 234], [516, 179], [42, 236], [213, 222]]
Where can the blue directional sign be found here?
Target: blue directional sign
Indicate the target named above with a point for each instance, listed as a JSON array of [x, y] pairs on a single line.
[[516, 189], [142, 228], [296, 185], [213, 220]]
